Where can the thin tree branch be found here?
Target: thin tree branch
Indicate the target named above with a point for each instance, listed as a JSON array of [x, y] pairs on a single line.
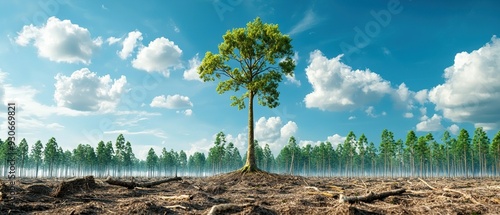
[[422, 180]]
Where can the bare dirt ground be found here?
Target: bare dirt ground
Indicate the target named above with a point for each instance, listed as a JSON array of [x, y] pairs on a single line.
[[257, 193]]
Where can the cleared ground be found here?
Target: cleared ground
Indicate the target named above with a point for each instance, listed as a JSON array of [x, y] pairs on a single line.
[[258, 193]]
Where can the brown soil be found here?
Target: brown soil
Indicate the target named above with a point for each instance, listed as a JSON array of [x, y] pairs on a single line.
[[255, 193]]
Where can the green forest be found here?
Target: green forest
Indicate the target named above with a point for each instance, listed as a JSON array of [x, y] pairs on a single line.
[[466, 155]]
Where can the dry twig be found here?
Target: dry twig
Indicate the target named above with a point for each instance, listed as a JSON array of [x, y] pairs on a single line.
[[422, 180]]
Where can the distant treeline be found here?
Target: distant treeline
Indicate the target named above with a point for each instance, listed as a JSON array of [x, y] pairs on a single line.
[[417, 156]]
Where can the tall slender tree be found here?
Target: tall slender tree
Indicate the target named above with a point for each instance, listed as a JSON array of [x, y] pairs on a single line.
[[463, 142], [371, 154], [362, 144], [152, 161], [349, 148], [111, 158], [421, 153], [264, 55], [268, 158], [36, 154], [307, 154], [446, 139], [495, 153], [50, 154], [411, 143], [22, 154], [480, 144], [128, 157], [387, 149], [120, 153]]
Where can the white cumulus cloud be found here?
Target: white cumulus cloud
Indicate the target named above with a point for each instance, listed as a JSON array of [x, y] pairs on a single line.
[[159, 56], [171, 102], [337, 87], [60, 41], [471, 90], [408, 115], [129, 44], [430, 124], [86, 91], [187, 112], [272, 131], [113, 40], [191, 73], [403, 97], [421, 96], [335, 140], [454, 129]]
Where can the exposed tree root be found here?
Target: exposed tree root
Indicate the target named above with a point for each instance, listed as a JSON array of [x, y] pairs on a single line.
[[133, 184], [370, 196], [249, 169]]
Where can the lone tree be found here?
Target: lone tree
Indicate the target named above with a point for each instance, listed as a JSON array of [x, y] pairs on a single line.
[[260, 54]]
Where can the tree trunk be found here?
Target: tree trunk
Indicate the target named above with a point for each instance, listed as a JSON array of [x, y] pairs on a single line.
[[250, 165], [465, 163], [36, 173], [448, 161]]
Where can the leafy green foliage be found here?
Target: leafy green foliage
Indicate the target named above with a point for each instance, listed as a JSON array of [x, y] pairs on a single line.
[[257, 50]]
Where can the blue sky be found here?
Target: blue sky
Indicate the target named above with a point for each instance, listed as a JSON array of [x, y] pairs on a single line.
[[84, 71]]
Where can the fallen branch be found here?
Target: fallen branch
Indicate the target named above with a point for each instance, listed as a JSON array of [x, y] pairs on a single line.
[[180, 197], [336, 188], [327, 194], [319, 192], [133, 184], [422, 180], [366, 186], [219, 209], [311, 187], [177, 206], [468, 196], [370, 196]]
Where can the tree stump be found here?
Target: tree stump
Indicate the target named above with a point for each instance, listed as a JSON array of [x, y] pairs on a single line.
[[72, 186]]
